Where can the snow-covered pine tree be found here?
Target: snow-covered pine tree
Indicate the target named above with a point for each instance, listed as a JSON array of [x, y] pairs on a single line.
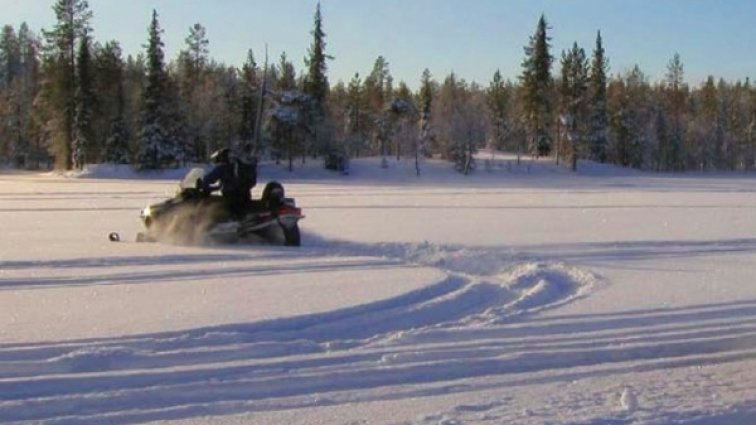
[[598, 119], [536, 91], [154, 144], [84, 149], [287, 123], [459, 114], [469, 126]]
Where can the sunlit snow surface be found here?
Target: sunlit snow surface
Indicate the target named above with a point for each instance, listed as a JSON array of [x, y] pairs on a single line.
[[520, 294]]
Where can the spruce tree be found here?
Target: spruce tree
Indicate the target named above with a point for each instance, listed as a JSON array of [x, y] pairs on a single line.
[[10, 69], [197, 52], [287, 77], [84, 151], [621, 123], [248, 99], [10, 57], [316, 81], [153, 141], [536, 89], [191, 103], [598, 119], [315, 85], [675, 102], [72, 21], [498, 106], [574, 90], [426, 106], [27, 145], [355, 117], [377, 91], [111, 88], [662, 154]]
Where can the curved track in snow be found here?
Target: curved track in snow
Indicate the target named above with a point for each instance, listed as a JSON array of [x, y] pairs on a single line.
[[230, 368], [435, 340]]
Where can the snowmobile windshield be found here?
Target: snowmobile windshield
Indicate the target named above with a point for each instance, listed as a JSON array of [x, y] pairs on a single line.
[[192, 179]]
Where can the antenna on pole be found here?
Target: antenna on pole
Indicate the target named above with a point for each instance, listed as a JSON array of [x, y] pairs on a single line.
[[260, 103]]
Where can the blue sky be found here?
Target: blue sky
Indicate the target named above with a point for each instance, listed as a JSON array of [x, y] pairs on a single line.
[[470, 37]]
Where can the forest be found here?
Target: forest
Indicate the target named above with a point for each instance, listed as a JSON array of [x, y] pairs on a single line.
[[68, 100]]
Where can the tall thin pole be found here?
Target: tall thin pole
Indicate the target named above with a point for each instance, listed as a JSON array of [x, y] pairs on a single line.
[[260, 104]]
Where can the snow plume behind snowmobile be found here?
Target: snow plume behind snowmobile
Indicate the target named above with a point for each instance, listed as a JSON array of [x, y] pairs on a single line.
[[194, 216]]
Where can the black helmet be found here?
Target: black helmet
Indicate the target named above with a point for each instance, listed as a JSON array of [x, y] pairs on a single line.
[[221, 156]]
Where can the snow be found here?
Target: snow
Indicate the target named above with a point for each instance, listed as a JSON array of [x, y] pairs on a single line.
[[520, 294]]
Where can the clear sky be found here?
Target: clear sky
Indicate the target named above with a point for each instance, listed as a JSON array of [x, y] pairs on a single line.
[[470, 37]]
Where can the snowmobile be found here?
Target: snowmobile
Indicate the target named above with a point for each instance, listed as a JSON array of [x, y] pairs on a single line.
[[195, 215]]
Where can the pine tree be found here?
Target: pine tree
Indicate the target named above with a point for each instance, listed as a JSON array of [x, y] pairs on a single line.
[[27, 147], [536, 88], [706, 125], [498, 106], [84, 150], [355, 117], [72, 22], [621, 123], [287, 78], [459, 114], [598, 119], [662, 154], [676, 99], [402, 111], [248, 99], [574, 92], [111, 87], [197, 52], [315, 85], [750, 158], [426, 106], [191, 103], [10, 69], [377, 92], [316, 81], [10, 57], [154, 143]]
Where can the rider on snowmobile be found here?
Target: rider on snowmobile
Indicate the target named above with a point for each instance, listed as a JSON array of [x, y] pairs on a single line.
[[237, 175]]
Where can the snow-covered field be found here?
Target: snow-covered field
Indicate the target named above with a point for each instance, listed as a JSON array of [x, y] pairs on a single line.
[[517, 295]]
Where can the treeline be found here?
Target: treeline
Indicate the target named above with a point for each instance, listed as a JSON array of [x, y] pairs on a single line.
[[67, 100]]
